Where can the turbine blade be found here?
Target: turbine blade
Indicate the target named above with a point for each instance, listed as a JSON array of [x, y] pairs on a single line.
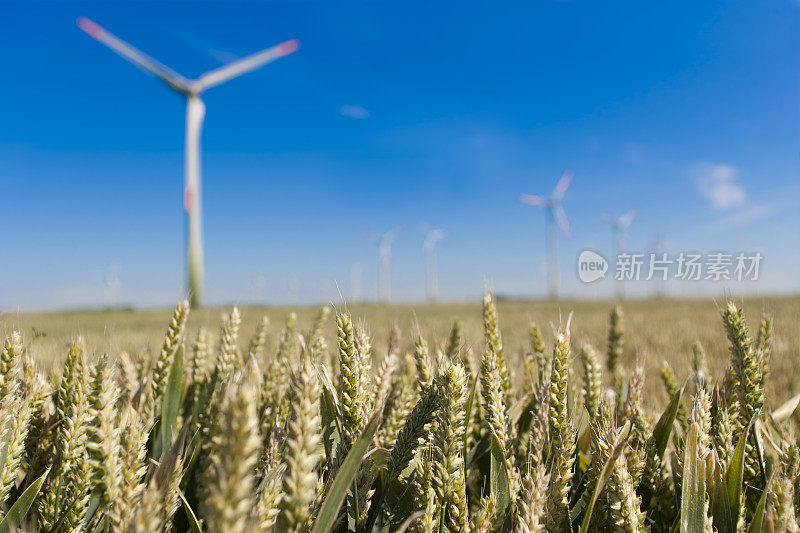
[[606, 217], [138, 58], [562, 185], [531, 199], [561, 220], [626, 219], [251, 62]]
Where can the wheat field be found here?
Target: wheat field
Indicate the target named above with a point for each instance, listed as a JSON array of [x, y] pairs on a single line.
[[654, 415]]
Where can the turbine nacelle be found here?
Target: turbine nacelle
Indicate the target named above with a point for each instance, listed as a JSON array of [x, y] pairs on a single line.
[[553, 202], [620, 223]]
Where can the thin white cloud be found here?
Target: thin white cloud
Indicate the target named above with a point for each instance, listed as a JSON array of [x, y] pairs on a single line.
[[768, 205], [718, 184], [753, 213], [354, 111]]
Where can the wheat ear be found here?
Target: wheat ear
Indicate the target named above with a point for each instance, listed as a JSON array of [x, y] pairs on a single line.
[[422, 362], [351, 393], [614, 353], [104, 435], [259, 340], [65, 496], [302, 454], [448, 443], [233, 460], [592, 379], [172, 339]]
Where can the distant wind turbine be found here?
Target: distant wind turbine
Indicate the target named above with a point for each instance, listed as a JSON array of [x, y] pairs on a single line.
[[619, 226], [195, 112], [554, 215], [384, 243], [432, 236]]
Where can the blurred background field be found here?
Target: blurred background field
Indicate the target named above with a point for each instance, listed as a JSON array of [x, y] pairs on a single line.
[[655, 330]]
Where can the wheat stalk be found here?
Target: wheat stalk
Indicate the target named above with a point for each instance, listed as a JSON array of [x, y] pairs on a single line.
[[133, 451], [64, 495], [17, 411], [9, 356], [592, 379], [259, 340], [302, 455], [562, 440], [532, 505], [103, 432], [228, 352], [172, 339], [317, 347], [671, 385], [351, 394], [614, 353], [747, 375], [448, 441], [494, 342], [233, 460]]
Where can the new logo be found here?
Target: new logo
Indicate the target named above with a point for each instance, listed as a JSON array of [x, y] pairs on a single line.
[[591, 266]]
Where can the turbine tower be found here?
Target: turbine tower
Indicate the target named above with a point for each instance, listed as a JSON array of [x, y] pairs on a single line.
[[554, 215], [432, 236], [618, 227], [195, 112], [384, 243]]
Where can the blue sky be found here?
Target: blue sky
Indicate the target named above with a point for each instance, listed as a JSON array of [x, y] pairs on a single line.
[[392, 113]]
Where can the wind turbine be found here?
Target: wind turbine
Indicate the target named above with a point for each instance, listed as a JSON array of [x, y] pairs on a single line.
[[554, 215], [618, 227], [195, 112], [384, 243], [432, 236]]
